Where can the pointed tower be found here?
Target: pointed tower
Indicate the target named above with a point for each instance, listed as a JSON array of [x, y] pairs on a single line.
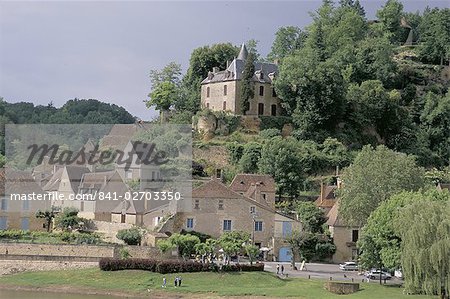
[[243, 53]]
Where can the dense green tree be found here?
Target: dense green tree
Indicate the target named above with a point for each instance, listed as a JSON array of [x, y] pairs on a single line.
[[279, 159], [247, 87], [379, 242], [376, 175], [434, 44], [163, 96], [435, 124], [311, 217], [170, 73], [390, 16], [250, 157], [424, 228], [287, 41]]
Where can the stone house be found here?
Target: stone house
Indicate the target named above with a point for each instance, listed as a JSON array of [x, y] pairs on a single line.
[[20, 214], [217, 208], [220, 91], [344, 236]]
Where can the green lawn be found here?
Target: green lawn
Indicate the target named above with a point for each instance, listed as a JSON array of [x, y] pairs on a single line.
[[229, 284]]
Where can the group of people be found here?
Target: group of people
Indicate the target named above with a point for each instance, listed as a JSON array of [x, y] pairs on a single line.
[[177, 282], [280, 268]]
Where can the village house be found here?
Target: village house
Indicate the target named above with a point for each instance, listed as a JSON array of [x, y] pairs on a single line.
[[220, 91], [20, 214], [344, 236], [217, 208]]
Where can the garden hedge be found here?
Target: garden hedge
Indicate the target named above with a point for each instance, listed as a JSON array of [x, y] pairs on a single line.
[[171, 266]]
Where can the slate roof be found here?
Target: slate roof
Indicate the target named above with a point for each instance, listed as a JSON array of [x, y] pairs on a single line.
[[264, 71], [214, 189], [96, 180], [75, 174], [243, 182]]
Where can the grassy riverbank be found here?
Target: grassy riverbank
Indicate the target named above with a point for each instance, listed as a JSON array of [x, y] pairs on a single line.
[[230, 284]]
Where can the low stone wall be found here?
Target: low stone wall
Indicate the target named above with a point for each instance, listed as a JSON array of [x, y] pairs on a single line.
[[341, 288], [81, 253]]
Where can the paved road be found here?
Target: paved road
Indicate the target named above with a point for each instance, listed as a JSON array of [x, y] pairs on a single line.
[[322, 271]]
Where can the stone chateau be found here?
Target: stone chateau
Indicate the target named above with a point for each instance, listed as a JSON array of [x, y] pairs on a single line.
[[220, 91]]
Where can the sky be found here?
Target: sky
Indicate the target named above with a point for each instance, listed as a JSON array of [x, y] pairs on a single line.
[[55, 51]]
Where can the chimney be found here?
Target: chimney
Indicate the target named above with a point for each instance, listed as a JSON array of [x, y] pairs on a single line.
[[322, 189], [215, 70], [258, 196]]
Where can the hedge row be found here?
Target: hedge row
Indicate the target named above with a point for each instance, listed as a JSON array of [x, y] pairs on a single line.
[[168, 266]]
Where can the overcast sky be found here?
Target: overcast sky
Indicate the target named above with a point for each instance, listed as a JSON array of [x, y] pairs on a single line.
[[56, 51]]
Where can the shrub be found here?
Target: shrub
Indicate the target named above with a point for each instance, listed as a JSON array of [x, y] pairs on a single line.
[[269, 133], [274, 122], [130, 236], [13, 234], [171, 266]]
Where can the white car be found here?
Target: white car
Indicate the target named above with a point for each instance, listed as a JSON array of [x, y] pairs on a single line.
[[349, 266], [375, 274]]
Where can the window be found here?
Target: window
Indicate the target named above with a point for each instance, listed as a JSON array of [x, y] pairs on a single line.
[[207, 92], [190, 222], [273, 110], [224, 90], [224, 105], [227, 225], [252, 210], [197, 204], [264, 196], [260, 108], [4, 205], [207, 105], [258, 226], [25, 223], [3, 222], [220, 204], [261, 90], [355, 234], [287, 228], [25, 205], [274, 94]]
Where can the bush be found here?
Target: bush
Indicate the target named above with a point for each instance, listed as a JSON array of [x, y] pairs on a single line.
[[273, 122], [13, 234], [269, 133], [171, 266], [130, 236]]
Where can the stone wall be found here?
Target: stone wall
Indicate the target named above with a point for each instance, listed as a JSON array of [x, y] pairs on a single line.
[[341, 288], [60, 252]]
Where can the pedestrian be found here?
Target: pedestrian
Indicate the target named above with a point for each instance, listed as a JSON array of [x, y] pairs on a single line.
[[164, 282], [282, 269], [176, 281], [179, 281], [278, 268]]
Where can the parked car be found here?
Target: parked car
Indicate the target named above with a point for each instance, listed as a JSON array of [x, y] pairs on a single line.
[[375, 274], [349, 266], [398, 273]]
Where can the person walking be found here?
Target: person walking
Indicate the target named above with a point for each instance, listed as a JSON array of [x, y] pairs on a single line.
[[176, 281], [282, 269], [179, 281], [164, 282], [278, 268]]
